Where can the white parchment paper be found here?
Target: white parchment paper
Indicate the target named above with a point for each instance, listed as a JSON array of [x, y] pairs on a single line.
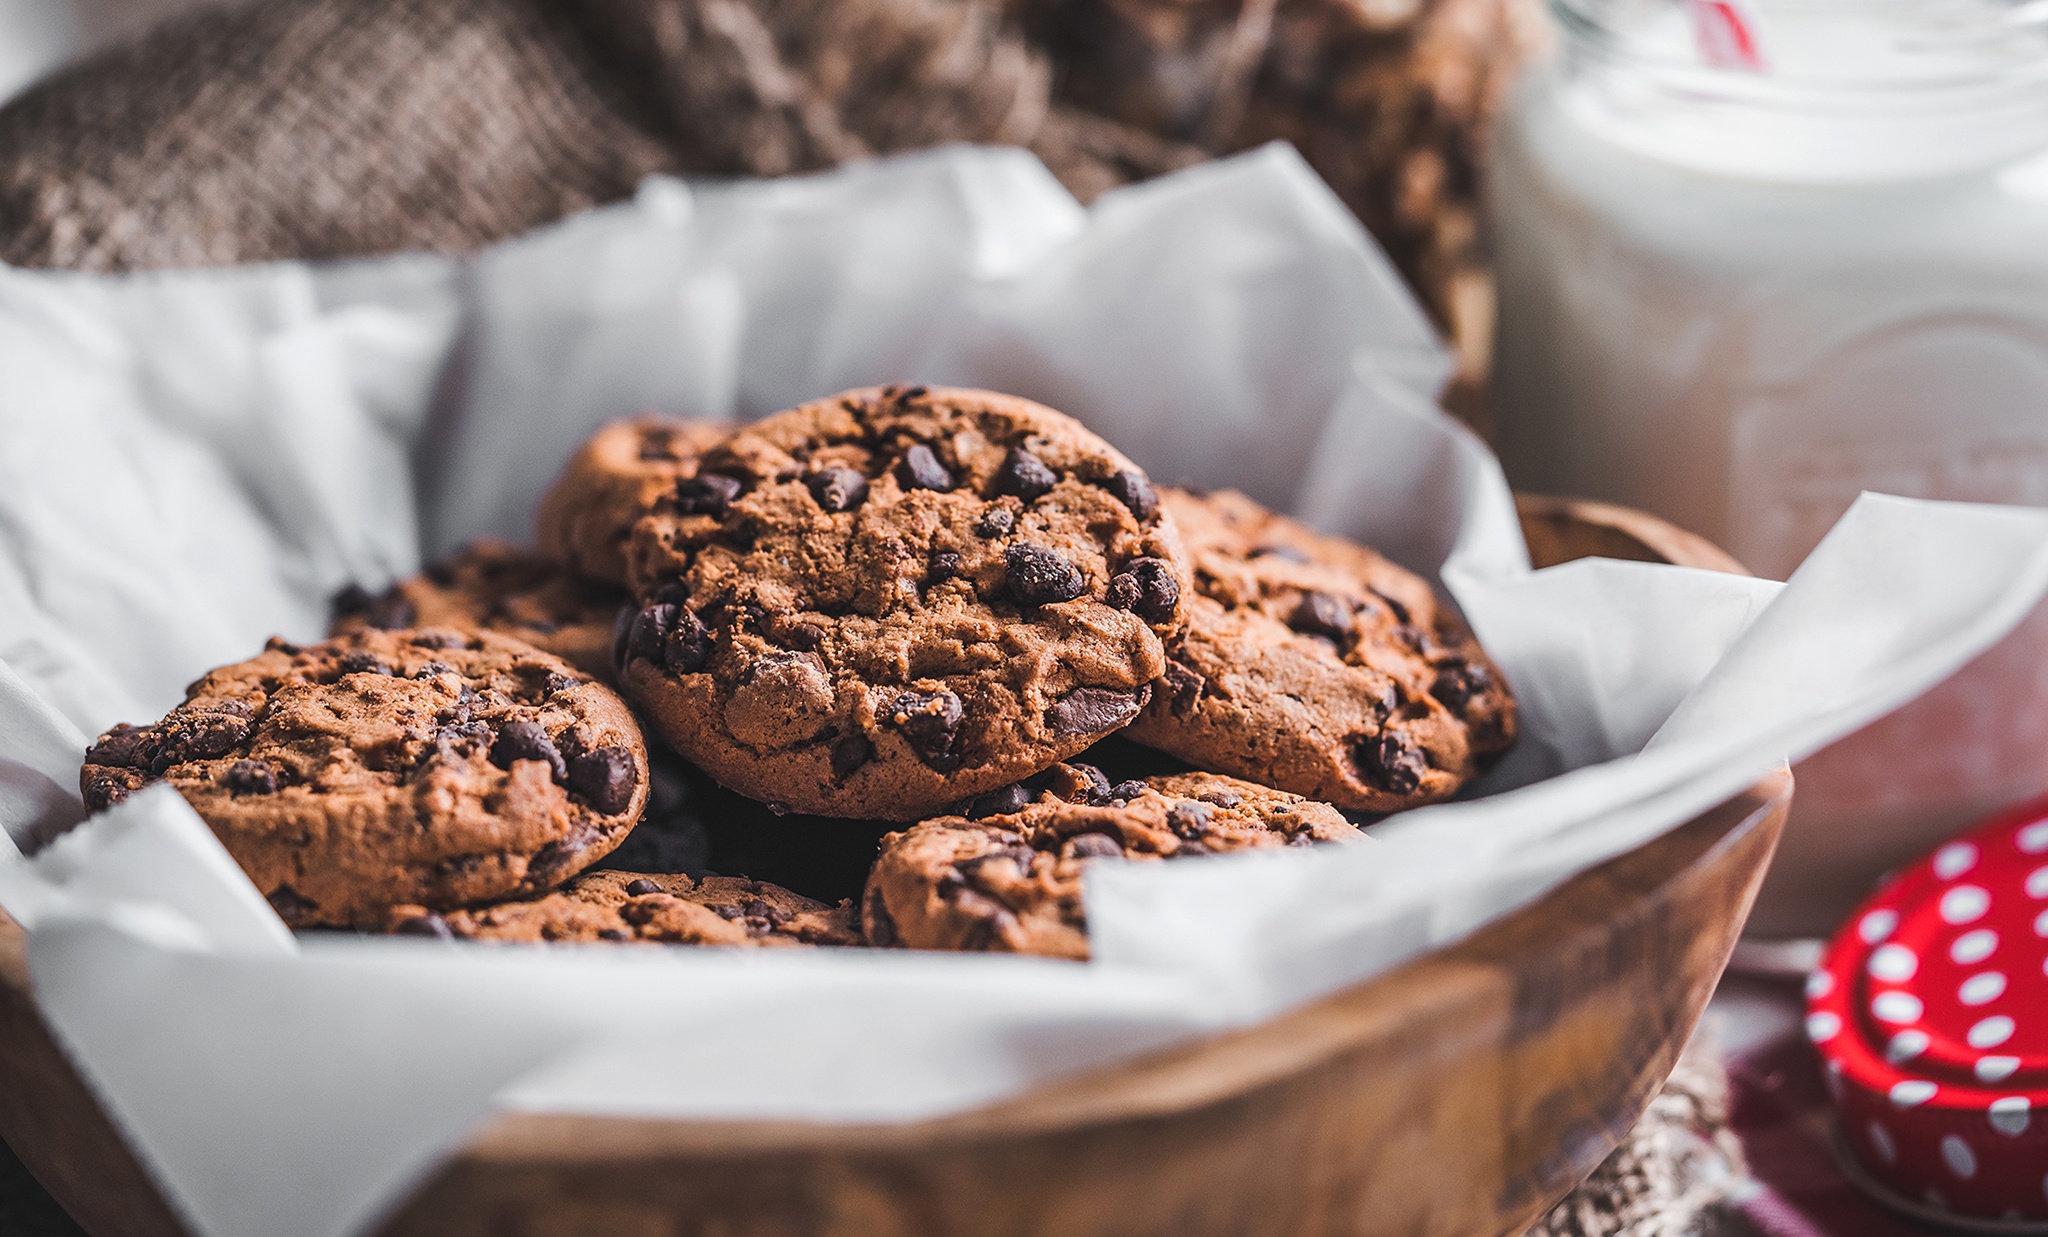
[[191, 462]]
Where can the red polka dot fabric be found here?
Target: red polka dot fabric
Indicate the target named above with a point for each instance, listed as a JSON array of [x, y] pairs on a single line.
[[1930, 1012]]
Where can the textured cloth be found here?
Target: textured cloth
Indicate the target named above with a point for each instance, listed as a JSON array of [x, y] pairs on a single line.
[[335, 128]]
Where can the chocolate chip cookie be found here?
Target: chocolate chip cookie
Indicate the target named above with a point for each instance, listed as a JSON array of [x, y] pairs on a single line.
[[586, 517], [1006, 877], [632, 906], [498, 586], [427, 766], [1315, 665], [881, 603]]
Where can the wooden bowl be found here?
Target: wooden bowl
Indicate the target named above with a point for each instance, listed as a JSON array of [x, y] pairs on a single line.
[[1462, 1094]]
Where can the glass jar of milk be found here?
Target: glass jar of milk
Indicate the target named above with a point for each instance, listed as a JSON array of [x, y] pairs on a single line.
[[1756, 257]]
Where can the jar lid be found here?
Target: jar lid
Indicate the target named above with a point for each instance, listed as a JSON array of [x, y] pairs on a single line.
[[1930, 1012]]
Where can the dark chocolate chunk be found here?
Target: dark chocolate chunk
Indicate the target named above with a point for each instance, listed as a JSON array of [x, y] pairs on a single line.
[[1188, 820], [1024, 475], [649, 631], [429, 669], [605, 778], [1086, 710], [1321, 614], [1095, 789], [349, 600], [850, 753], [996, 521], [1186, 684], [837, 489], [1221, 798], [392, 611], [688, 645], [642, 887], [526, 741], [943, 566], [999, 802], [931, 721], [805, 636], [1390, 761], [1147, 586], [121, 747], [1127, 790], [557, 682], [1131, 488], [706, 494], [195, 736], [1093, 846], [1458, 681], [919, 469], [440, 638], [251, 777], [1038, 576], [360, 662]]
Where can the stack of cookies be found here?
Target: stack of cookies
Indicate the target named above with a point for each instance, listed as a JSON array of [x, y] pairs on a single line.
[[920, 655]]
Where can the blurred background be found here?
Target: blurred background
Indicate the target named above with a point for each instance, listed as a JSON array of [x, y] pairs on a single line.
[[38, 35]]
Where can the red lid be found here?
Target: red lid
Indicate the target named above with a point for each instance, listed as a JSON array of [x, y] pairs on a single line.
[[1930, 1011]]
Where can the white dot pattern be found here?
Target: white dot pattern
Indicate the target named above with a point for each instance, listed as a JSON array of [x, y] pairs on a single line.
[[1820, 983], [1912, 1092], [1973, 947], [2037, 882], [1823, 1026], [1877, 925], [1893, 963], [1954, 859], [1995, 1069], [1991, 1032], [1904, 1046], [1982, 988], [1958, 1155], [1897, 1007], [1965, 904], [2033, 839], [2011, 1115]]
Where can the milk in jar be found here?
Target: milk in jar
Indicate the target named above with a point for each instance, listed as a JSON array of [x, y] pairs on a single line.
[[1756, 258]]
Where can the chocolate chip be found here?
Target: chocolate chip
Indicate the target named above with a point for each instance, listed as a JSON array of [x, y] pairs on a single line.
[[463, 738], [1186, 684], [1188, 820], [642, 887], [605, 778], [804, 636], [706, 494], [1390, 761], [102, 787], [943, 566], [251, 777], [440, 638], [850, 753], [999, 802], [392, 611], [349, 600], [552, 863], [648, 632], [1086, 710], [361, 662], [1221, 798], [425, 925], [757, 909], [1093, 846], [1024, 475], [1400, 611], [429, 669], [837, 489], [290, 906], [688, 645], [919, 469], [1095, 783], [1127, 790], [121, 747], [931, 721], [526, 741], [1132, 490], [1038, 576], [1146, 585], [278, 644], [1458, 681], [1321, 614], [1285, 553], [995, 522], [557, 682], [183, 737]]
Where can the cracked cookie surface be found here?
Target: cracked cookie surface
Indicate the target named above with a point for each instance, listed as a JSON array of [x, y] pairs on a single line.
[[586, 518], [427, 766], [881, 603], [651, 908], [498, 586], [1006, 877], [1316, 665]]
